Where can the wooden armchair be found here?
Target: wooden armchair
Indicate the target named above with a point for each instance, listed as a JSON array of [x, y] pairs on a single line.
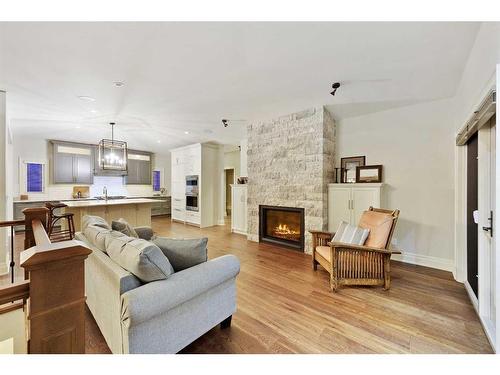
[[368, 264]]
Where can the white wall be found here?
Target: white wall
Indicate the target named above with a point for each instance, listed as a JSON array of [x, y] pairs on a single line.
[[162, 162], [232, 160], [38, 149], [415, 144]]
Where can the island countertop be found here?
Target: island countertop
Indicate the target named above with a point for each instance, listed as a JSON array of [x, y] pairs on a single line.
[[109, 202]]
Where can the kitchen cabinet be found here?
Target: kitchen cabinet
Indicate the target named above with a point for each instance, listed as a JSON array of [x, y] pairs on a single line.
[[347, 202], [72, 163], [139, 168], [200, 159], [161, 208]]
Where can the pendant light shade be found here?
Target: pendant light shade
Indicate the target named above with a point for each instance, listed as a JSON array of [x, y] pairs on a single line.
[[113, 153]]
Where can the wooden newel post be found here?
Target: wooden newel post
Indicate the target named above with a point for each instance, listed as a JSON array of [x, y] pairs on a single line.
[[56, 305], [30, 214]]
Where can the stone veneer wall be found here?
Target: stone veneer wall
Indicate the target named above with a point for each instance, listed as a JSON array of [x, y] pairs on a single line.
[[290, 163]]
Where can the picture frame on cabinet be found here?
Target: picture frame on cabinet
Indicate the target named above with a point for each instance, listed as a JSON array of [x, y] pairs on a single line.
[[369, 173], [349, 165]]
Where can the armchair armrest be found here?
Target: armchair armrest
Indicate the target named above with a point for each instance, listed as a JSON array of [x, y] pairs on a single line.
[[321, 233], [336, 245], [155, 298]]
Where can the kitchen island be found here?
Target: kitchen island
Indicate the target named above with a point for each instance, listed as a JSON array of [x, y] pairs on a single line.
[[136, 211]]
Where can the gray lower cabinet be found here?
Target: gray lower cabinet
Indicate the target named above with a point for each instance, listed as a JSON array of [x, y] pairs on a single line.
[[72, 163], [161, 208]]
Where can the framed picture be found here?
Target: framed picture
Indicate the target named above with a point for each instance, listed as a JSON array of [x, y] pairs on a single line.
[[369, 173], [349, 166]]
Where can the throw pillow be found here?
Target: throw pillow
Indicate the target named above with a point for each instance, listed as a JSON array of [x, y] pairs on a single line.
[[183, 253], [351, 234], [123, 226], [141, 258]]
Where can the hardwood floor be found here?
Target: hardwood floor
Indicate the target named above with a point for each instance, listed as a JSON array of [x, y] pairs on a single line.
[[286, 307]]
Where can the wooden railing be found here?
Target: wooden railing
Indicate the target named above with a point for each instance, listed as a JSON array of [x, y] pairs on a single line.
[[11, 224], [54, 286]]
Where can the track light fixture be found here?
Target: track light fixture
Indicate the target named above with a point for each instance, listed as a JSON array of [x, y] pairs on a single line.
[[335, 86]]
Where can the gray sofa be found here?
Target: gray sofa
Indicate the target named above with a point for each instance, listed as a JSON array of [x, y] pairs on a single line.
[[160, 316]]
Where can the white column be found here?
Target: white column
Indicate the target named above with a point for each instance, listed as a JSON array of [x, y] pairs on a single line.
[[3, 183], [221, 201]]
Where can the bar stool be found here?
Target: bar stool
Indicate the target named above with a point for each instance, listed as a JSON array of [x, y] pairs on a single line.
[[63, 234]]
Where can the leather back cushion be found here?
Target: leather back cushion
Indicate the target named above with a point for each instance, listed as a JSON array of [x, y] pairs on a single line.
[[379, 224]]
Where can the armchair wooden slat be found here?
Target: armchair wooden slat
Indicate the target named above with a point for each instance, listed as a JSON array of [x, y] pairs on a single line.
[[355, 264]]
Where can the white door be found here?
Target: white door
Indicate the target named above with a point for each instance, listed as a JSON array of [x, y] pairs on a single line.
[[362, 199], [339, 206], [486, 228]]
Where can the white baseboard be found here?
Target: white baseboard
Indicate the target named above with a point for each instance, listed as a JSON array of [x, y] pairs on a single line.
[[472, 296], [238, 232], [426, 261], [4, 269]]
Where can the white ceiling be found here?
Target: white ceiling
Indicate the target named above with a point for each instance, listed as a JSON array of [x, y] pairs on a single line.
[[188, 76]]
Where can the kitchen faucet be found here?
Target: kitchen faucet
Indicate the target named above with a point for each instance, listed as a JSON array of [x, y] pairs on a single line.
[[105, 192]]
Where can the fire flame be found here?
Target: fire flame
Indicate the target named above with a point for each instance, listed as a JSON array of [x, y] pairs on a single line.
[[284, 229]]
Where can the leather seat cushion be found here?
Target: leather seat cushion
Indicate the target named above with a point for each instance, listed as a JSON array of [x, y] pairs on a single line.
[[379, 224], [324, 251]]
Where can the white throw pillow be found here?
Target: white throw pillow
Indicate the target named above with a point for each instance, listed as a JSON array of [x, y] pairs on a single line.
[[351, 234]]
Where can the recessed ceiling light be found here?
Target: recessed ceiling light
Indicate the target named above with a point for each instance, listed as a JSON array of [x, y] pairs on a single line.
[[119, 84], [186, 132], [78, 127], [158, 141], [93, 111], [86, 98]]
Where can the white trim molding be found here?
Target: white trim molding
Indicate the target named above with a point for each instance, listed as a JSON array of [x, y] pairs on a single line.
[[426, 261]]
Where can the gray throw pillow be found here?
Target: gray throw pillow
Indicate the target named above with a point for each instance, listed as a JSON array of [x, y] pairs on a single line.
[[121, 225], [142, 258], [183, 253]]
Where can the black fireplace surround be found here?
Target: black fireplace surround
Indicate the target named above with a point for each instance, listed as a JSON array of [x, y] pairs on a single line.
[[282, 226]]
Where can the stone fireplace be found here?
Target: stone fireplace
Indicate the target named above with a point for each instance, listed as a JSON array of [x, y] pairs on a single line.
[[290, 163], [282, 226]]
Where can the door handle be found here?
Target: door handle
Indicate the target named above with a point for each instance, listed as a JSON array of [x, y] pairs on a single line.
[[490, 228]]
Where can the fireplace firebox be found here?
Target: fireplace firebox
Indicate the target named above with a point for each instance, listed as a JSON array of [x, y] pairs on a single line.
[[282, 226]]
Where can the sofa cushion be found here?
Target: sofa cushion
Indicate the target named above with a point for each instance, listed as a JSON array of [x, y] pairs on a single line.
[[121, 225], [94, 220], [96, 236], [351, 234], [112, 235], [142, 258], [379, 224], [183, 253]]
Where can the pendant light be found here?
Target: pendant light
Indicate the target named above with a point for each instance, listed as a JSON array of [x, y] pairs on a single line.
[[113, 153]]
